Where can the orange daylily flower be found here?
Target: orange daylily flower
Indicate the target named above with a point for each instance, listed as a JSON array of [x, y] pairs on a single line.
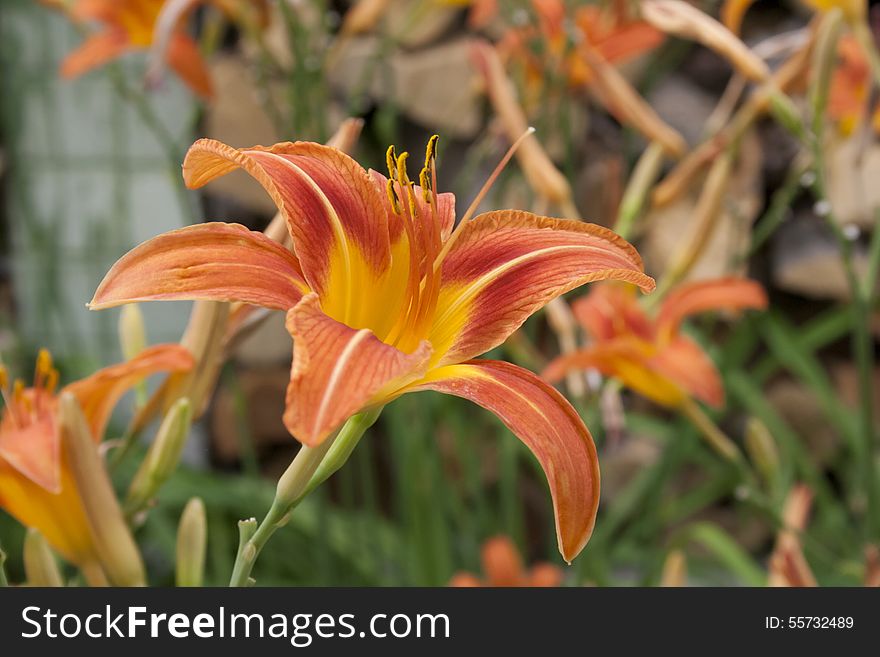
[[503, 566], [611, 33], [850, 90], [383, 297], [128, 26], [649, 354], [37, 486]]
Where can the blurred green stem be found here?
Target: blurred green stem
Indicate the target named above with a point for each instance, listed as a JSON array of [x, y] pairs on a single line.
[[862, 341], [174, 155], [311, 467]]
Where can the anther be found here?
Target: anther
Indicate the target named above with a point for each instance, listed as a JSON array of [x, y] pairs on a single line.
[[391, 161], [392, 196]]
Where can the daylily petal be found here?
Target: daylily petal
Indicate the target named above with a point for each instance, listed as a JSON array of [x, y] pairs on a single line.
[[33, 450], [186, 60], [333, 211], [719, 294], [542, 418], [630, 361], [95, 51], [59, 516], [337, 371], [666, 375], [98, 393], [213, 261], [610, 311], [506, 265], [685, 363]]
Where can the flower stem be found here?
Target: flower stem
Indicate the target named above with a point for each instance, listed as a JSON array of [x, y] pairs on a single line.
[[310, 468], [713, 435]]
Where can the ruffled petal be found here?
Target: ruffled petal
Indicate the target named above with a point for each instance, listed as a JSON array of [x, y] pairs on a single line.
[[542, 418], [337, 371], [333, 211], [213, 261], [506, 265]]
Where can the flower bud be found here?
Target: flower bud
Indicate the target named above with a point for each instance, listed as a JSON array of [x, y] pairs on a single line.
[[113, 542], [132, 334], [762, 449], [162, 457], [191, 544], [40, 566]]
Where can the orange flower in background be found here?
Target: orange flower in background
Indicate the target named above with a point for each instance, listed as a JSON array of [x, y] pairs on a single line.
[[850, 90], [503, 566], [649, 354], [128, 25], [36, 484], [383, 297], [611, 32]]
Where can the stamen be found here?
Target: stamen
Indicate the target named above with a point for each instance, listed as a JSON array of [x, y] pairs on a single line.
[[391, 161], [52, 381], [392, 196], [481, 195], [402, 175], [43, 367], [431, 151]]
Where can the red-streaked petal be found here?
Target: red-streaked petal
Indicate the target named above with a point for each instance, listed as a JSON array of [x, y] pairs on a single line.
[[213, 261], [542, 418], [720, 294], [332, 207], [95, 51], [186, 60], [506, 265], [98, 393], [611, 310], [337, 371]]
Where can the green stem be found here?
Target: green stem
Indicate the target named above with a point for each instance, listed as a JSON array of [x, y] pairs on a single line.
[[311, 467], [173, 153], [862, 341]]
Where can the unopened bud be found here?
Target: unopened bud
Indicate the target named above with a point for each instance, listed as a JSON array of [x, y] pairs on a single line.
[[40, 566], [762, 449], [132, 334], [674, 570], [114, 545], [191, 544], [162, 457]]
